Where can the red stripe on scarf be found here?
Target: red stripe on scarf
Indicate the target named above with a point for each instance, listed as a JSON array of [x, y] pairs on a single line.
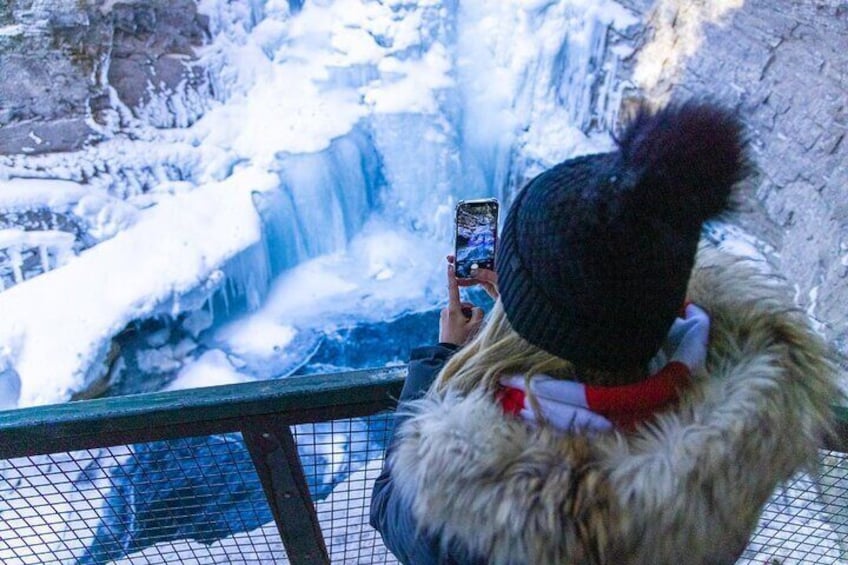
[[627, 405], [511, 399], [624, 406]]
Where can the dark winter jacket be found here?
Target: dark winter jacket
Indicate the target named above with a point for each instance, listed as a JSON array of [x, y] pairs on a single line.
[[391, 515], [462, 480]]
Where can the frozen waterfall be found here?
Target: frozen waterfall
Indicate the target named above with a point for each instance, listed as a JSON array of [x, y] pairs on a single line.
[[316, 191]]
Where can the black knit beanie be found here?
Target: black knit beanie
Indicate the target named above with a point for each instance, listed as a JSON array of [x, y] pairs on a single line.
[[596, 252]]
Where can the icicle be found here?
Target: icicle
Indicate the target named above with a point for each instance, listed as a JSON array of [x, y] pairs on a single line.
[[16, 260], [62, 254], [226, 296], [175, 304], [44, 256]]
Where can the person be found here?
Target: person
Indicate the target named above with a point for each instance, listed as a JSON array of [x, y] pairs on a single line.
[[635, 394]]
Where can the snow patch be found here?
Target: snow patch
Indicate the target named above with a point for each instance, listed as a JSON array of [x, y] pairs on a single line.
[[678, 32], [213, 368], [65, 317], [256, 335]]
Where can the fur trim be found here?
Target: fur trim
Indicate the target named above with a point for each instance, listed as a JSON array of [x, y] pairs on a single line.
[[688, 488]]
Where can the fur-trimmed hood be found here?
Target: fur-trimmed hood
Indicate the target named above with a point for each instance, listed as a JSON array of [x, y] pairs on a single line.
[[687, 488]]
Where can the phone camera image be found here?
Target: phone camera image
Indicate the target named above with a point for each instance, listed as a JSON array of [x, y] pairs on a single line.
[[476, 235]]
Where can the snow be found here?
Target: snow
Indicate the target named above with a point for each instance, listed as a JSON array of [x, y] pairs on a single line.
[[678, 33], [378, 270], [256, 335], [211, 369], [11, 30], [59, 244], [359, 119], [314, 192], [20, 193], [60, 317], [426, 75]]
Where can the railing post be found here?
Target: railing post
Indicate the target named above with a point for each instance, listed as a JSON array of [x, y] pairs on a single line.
[[274, 453]]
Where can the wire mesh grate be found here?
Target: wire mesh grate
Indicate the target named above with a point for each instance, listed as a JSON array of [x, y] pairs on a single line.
[[192, 500], [806, 520], [341, 460], [134, 504], [199, 500]]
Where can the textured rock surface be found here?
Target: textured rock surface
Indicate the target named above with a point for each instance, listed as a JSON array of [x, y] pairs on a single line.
[[784, 65], [152, 54], [70, 69]]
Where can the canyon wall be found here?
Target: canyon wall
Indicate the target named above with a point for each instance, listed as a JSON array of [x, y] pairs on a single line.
[[784, 66]]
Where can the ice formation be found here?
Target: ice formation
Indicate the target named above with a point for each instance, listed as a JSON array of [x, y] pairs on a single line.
[[327, 168], [314, 193]]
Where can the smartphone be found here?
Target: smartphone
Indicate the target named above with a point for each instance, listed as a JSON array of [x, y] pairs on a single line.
[[476, 235]]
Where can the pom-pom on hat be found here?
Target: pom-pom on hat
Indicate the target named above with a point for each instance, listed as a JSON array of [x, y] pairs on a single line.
[[596, 252]]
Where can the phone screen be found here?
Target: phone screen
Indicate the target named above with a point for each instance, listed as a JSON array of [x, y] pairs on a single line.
[[476, 235]]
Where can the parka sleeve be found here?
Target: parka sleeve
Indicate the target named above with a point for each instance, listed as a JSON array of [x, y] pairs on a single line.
[[424, 365], [390, 515]]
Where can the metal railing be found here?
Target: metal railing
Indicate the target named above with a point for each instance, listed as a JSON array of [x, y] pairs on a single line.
[[266, 472]]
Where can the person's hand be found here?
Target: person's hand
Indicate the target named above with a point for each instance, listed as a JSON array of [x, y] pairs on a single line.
[[454, 325], [486, 278]]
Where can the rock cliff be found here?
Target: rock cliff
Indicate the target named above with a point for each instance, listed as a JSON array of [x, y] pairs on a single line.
[[784, 66], [73, 71]]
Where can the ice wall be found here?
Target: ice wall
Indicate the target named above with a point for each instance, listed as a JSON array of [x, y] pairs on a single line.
[[340, 133]]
